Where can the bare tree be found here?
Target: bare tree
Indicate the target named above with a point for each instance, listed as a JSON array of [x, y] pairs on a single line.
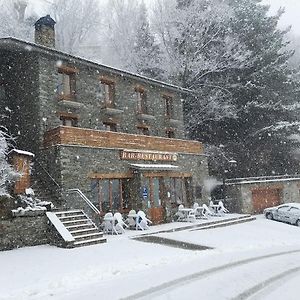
[[14, 21], [75, 21]]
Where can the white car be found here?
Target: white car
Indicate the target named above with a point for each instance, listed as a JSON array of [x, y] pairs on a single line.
[[287, 212]]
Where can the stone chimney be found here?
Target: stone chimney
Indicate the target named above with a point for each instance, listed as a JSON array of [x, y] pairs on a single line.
[[44, 31]]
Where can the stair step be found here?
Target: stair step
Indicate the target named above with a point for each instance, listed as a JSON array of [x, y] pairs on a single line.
[[70, 218], [68, 215], [90, 242], [69, 211], [89, 236], [77, 232], [80, 226], [75, 221]]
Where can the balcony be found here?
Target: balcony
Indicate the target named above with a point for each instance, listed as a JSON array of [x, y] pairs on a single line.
[[64, 135]]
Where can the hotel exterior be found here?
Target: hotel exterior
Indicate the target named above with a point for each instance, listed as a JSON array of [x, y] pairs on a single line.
[[116, 136]]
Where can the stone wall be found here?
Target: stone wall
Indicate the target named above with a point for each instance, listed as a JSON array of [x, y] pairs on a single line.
[[23, 231]]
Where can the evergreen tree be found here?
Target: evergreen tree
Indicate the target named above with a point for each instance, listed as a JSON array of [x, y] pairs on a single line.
[[146, 52]]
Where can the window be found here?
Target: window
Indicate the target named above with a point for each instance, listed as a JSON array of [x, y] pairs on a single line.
[[143, 129], [169, 109], [170, 133], [67, 83], [110, 126], [141, 100], [111, 194], [68, 119], [108, 90]]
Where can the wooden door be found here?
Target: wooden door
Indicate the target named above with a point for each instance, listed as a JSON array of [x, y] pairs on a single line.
[[22, 165], [156, 209], [263, 198]]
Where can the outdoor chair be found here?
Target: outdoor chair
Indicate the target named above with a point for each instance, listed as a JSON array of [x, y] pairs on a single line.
[[180, 215], [198, 211], [119, 223], [108, 223], [131, 219], [206, 211], [222, 209], [142, 221]]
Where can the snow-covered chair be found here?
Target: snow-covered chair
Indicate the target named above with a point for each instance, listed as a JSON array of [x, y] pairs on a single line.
[[180, 215], [222, 209], [191, 217], [206, 211], [198, 211], [131, 219], [142, 221], [119, 223], [108, 224]]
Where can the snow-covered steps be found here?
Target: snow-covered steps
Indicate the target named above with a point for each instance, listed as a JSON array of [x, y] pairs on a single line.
[[76, 228]]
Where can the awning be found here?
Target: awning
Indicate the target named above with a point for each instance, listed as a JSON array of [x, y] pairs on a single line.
[[154, 167]]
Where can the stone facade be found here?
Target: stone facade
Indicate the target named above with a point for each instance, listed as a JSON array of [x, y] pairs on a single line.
[[269, 191], [24, 231], [35, 78]]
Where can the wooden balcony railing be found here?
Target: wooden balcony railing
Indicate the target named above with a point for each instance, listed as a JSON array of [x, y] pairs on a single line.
[[107, 139]]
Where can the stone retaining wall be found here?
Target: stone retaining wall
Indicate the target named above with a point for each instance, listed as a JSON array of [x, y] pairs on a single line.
[[24, 231]]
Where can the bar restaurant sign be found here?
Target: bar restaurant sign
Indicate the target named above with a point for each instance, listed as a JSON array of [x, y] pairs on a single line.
[[143, 155]]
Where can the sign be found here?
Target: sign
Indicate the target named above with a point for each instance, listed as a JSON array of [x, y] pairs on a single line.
[[155, 156], [145, 192]]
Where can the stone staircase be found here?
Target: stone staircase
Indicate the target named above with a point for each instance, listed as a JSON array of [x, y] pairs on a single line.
[[79, 226]]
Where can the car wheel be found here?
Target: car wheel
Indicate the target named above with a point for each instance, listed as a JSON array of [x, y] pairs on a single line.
[[269, 216], [298, 223]]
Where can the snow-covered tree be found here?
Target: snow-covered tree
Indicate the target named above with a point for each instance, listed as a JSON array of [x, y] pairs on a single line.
[[199, 50], [75, 21], [146, 59], [6, 171], [14, 20]]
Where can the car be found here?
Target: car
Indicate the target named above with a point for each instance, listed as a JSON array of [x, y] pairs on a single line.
[[287, 212]]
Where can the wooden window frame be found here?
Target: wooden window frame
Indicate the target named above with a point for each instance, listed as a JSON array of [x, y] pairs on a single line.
[[170, 133], [110, 194], [63, 116], [71, 73], [143, 129], [109, 87], [141, 93], [169, 106], [112, 125]]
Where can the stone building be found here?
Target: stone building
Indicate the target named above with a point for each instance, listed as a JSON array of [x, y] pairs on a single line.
[[254, 194], [116, 136]]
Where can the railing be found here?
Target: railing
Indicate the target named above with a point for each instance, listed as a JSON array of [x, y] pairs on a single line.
[[47, 173], [87, 201]]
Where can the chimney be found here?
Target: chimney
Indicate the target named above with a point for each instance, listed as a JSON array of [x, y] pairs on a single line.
[[44, 31]]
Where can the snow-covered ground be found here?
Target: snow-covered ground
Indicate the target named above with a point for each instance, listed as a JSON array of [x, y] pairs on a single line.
[[255, 260]]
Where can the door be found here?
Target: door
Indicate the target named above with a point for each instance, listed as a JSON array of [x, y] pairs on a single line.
[[263, 198], [22, 165], [156, 209]]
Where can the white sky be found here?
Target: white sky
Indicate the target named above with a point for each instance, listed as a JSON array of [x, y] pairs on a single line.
[[292, 10], [291, 16]]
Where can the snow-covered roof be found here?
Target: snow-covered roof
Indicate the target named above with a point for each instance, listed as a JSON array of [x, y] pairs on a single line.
[[158, 167], [252, 180], [14, 43], [22, 152]]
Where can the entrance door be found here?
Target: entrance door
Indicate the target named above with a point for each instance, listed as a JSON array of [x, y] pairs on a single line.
[[22, 165], [156, 209]]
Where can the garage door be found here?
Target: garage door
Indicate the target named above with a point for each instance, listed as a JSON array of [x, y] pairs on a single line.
[[262, 198]]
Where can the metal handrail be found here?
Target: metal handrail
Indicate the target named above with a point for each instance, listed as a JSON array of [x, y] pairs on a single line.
[[87, 201], [48, 174]]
